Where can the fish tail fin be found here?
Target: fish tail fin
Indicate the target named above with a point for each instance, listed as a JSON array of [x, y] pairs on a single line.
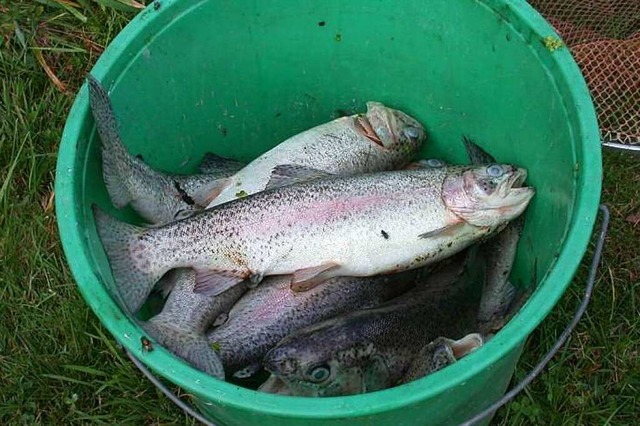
[[132, 259], [115, 158], [127, 178], [189, 345]]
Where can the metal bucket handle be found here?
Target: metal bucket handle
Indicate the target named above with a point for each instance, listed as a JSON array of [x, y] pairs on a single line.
[[595, 261], [188, 409]]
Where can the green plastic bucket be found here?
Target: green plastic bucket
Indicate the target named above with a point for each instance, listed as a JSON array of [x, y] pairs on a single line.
[[236, 78]]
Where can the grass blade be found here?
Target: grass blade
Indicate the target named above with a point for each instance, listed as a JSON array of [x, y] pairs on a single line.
[[83, 369], [123, 5], [7, 179], [66, 379]]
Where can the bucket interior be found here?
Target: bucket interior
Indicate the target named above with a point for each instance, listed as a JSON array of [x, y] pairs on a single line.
[[237, 78]]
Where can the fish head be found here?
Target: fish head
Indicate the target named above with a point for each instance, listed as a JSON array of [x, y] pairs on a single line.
[[326, 361], [487, 196], [392, 129]]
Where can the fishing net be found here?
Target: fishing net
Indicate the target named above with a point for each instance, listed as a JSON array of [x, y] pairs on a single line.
[[604, 38]]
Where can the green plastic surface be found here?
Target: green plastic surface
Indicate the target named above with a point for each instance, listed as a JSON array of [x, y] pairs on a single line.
[[236, 78]]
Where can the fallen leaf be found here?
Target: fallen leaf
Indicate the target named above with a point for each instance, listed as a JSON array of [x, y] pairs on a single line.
[[634, 218], [52, 76]]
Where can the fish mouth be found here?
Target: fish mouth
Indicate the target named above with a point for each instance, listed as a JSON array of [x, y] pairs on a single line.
[[517, 179], [466, 345], [514, 185], [363, 126], [275, 385]]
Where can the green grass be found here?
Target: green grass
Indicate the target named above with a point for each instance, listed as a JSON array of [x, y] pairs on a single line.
[[595, 379], [59, 366]]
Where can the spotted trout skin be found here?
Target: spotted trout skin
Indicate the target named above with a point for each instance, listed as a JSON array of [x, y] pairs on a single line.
[[181, 325], [344, 226], [374, 349], [272, 311]]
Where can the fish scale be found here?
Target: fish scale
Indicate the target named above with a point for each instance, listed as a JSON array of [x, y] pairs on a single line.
[[252, 221], [185, 317]]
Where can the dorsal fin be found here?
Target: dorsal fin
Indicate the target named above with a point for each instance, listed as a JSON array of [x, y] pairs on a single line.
[[289, 174]]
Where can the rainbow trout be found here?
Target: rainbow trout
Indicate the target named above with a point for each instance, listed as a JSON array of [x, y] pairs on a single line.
[[377, 348], [337, 226], [382, 139], [433, 357], [271, 311]]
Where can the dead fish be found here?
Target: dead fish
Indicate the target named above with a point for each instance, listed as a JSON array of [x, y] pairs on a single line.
[[180, 326], [320, 229], [439, 354], [500, 253], [158, 197], [382, 139], [373, 349], [271, 311], [435, 356]]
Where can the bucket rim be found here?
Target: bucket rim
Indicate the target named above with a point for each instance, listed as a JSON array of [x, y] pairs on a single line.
[[213, 391]]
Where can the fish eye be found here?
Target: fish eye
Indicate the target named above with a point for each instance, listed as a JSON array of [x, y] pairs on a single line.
[[495, 170], [434, 162], [319, 374], [412, 132]]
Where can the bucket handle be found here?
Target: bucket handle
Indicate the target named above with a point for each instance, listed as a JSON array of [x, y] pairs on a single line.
[[595, 261], [188, 409]]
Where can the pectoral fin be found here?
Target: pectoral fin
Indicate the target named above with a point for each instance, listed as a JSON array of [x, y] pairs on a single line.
[[445, 231], [212, 283], [275, 385], [431, 358], [375, 374], [307, 278]]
